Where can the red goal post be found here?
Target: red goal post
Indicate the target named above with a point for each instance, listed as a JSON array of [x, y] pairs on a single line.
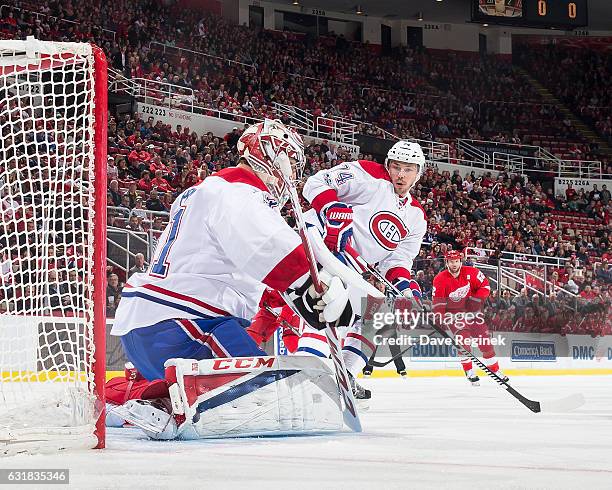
[[53, 137]]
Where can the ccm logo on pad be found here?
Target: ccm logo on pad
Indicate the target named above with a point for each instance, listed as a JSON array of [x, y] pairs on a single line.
[[388, 229], [243, 363]]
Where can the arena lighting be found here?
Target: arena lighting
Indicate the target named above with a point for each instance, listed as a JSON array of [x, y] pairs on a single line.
[[419, 16], [359, 11], [485, 25], [296, 2]]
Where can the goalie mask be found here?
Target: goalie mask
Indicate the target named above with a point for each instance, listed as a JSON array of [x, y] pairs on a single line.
[[407, 152], [277, 152]]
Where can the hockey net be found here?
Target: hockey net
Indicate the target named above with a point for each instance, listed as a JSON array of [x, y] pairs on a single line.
[[52, 245]]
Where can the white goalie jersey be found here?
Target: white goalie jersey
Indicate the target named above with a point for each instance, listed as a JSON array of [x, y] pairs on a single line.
[[225, 243], [387, 230]]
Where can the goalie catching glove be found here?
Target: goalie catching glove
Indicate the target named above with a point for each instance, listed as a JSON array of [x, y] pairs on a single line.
[[333, 306]]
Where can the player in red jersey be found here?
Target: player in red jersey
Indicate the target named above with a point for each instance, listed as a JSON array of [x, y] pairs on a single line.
[[461, 291]]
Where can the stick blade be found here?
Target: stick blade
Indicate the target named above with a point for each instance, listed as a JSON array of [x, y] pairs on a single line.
[[349, 411], [351, 421], [566, 404]]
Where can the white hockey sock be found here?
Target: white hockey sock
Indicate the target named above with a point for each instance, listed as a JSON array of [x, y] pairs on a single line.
[[356, 351], [313, 342]]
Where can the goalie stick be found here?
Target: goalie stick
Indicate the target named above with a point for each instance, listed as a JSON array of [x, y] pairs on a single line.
[[567, 403], [349, 412]]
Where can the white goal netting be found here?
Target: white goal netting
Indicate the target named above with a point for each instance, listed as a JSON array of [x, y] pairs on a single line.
[[48, 253]]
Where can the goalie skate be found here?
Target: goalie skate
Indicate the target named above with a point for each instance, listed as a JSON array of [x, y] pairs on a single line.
[[151, 416]]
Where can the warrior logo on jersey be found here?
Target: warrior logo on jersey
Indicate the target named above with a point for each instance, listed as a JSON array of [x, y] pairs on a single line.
[[388, 229], [459, 293]]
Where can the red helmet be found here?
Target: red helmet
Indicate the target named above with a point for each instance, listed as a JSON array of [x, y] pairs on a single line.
[[453, 255], [273, 149]]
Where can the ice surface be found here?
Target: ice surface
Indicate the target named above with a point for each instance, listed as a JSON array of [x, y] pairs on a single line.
[[419, 433]]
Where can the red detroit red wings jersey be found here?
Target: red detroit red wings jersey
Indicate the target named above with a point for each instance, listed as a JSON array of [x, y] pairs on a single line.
[[451, 294], [386, 229]]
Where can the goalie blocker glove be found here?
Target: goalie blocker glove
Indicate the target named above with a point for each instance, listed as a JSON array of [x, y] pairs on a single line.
[[333, 306]]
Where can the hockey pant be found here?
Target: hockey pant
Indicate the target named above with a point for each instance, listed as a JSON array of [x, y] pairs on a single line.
[[148, 348]]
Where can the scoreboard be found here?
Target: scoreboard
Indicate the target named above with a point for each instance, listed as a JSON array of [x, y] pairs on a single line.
[[568, 14]]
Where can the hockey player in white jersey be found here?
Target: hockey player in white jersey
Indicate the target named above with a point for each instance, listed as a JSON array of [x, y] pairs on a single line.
[[369, 207], [225, 248]]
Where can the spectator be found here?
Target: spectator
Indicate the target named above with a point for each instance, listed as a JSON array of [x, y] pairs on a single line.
[[135, 224], [113, 295], [115, 195], [145, 184], [161, 184], [604, 273], [139, 210], [154, 203], [521, 302], [132, 193], [139, 264], [233, 137], [124, 207], [55, 290], [605, 195], [167, 201], [75, 290], [112, 172]]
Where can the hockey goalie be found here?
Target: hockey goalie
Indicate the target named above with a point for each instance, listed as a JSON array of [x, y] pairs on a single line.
[[225, 254]]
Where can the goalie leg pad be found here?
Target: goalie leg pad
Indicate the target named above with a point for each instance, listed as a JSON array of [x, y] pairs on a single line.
[[251, 396]]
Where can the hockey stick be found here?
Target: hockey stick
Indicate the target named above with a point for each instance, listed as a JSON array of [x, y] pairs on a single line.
[[359, 263], [564, 404], [349, 413]]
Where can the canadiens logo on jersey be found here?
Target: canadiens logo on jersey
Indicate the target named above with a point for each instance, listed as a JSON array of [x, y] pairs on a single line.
[[388, 229], [459, 293]]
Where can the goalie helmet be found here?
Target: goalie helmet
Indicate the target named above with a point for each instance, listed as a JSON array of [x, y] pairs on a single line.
[[277, 152], [407, 152]]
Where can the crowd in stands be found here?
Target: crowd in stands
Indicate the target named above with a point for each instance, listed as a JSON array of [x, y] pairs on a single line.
[[578, 76], [506, 216], [409, 92], [150, 163]]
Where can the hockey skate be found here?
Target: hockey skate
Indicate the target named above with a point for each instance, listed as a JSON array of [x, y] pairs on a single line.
[[361, 394], [152, 416], [472, 377]]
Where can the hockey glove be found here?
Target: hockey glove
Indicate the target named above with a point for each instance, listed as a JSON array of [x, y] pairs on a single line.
[[409, 288], [338, 220], [333, 306]]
